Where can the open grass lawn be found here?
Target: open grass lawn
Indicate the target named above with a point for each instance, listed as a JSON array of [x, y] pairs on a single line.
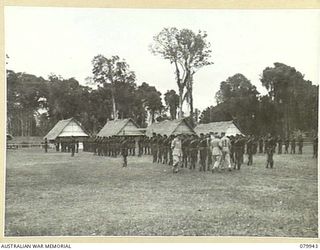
[[54, 194]]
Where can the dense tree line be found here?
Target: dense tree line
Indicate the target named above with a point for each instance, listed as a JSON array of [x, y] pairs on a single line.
[[291, 104], [35, 104]]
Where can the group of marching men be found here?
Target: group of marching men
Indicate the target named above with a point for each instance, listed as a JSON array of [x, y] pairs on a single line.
[[218, 151], [212, 151]]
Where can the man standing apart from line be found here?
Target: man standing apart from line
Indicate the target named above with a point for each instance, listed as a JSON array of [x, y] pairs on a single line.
[[216, 152], [45, 145], [124, 151], [73, 146], [226, 145], [270, 147], [176, 146]]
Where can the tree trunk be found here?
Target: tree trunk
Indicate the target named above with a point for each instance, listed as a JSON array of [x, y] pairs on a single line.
[[191, 100], [152, 116], [180, 103], [114, 110], [181, 87]]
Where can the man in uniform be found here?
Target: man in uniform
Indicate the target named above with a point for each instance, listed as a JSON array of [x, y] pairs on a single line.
[[238, 150], [209, 150], [270, 147], [250, 150], [315, 147], [293, 145], [104, 146], [57, 145], [124, 150], [77, 146], [286, 145], [45, 145], [300, 144], [279, 141], [260, 145], [216, 146], [176, 146], [166, 145], [264, 143], [226, 145], [243, 145], [94, 146], [160, 148], [140, 146], [108, 146], [148, 146], [254, 145], [232, 158], [203, 149], [154, 147], [98, 146], [193, 151], [73, 146], [133, 146]]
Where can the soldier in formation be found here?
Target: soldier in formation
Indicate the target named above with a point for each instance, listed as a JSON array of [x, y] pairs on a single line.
[[315, 147], [293, 145], [203, 151], [300, 144], [45, 145], [279, 141], [239, 145], [206, 152], [286, 145], [194, 142], [250, 150], [225, 147], [270, 147]]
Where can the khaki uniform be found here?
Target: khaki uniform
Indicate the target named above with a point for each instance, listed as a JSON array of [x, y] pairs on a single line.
[[176, 146], [216, 152], [226, 145]]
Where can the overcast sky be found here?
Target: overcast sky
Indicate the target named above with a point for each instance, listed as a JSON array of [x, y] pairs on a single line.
[[63, 41]]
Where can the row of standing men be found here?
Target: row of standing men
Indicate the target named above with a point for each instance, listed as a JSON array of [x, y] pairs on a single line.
[[193, 148]]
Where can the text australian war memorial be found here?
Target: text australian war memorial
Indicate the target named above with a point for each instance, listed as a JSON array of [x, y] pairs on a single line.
[[150, 162]]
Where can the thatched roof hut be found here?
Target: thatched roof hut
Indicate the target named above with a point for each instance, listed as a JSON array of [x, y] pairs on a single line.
[[170, 127], [227, 127], [66, 129], [120, 127]]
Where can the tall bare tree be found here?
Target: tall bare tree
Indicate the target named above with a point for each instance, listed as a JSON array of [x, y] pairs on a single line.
[[188, 52]]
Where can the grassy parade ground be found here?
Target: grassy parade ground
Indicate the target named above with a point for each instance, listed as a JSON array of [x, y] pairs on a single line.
[[53, 194]]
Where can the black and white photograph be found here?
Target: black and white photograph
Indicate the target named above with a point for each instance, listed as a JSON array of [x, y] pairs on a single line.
[[161, 122]]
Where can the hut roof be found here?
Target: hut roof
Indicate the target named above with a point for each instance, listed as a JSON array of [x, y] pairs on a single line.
[[227, 127], [66, 128], [120, 127], [169, 127]]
